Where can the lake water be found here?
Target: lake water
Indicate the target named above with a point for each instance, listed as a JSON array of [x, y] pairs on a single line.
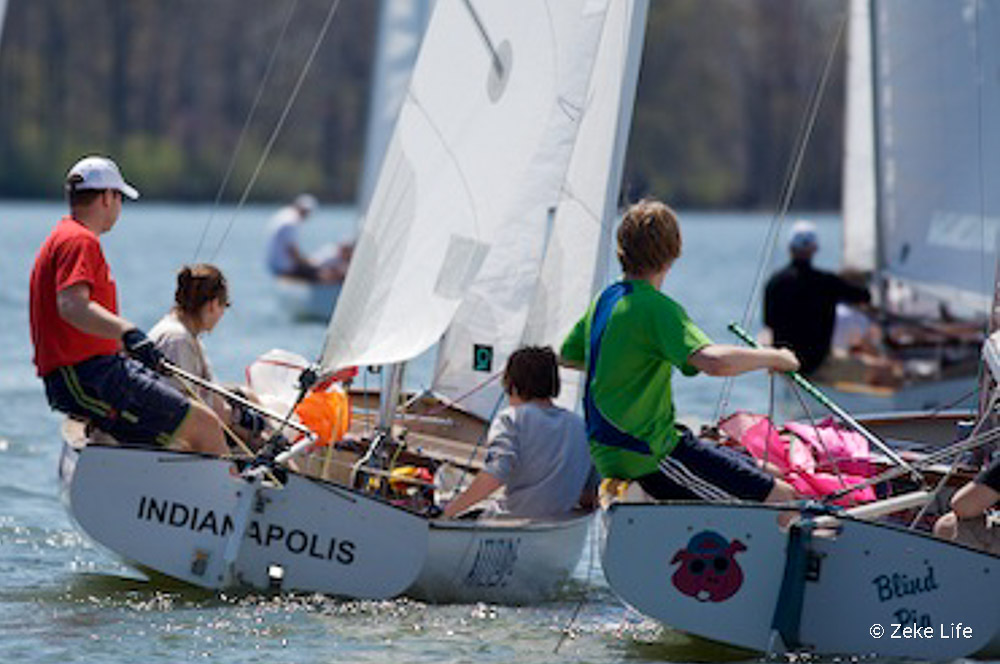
[[62, 599]]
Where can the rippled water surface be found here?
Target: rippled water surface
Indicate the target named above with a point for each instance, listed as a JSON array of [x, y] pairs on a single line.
[[62, 599]]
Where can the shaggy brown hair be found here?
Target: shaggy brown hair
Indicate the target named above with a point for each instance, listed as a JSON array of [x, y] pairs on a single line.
[[532, 372], [649, 238]]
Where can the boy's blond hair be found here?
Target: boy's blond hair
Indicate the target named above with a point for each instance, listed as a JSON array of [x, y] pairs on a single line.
[[649, 238]]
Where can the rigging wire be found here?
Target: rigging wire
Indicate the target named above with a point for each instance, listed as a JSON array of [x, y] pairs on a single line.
[[567, 631], [334, 5], [991, 316], [979, 152], [497, 62], [789, 187], [246, 126]]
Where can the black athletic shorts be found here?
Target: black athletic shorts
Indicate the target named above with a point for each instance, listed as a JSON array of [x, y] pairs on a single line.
[[121, 397], [697, 470], [990, 475]]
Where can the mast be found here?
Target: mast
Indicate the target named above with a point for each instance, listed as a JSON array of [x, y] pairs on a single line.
[[878, 205], [401, 26], [859, 168], [392, 387], [629, 83]]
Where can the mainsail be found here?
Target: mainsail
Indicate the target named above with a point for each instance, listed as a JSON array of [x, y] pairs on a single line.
[[3, 13], [560, 271], [859, 145], [937, 94], [401, 26], [481, 144]]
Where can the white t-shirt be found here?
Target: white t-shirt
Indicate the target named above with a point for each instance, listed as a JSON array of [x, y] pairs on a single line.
[[541, 455], [283, 234], [184, 349]]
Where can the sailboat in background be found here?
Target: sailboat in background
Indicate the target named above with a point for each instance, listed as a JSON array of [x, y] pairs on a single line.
[[401, 27], [506, 159], [919, 206]]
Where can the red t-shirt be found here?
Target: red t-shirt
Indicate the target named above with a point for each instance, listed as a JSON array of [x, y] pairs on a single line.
[[70, 255]]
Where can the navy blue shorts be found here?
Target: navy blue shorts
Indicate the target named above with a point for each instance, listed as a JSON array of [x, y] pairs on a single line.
[[990, 476], [121, 397], [697, 470]]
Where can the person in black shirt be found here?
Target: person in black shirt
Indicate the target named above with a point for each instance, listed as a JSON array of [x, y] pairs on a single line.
[[800, 301]]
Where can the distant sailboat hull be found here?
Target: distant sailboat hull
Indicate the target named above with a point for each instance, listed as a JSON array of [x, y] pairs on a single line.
[[920, 154], [306, 300]]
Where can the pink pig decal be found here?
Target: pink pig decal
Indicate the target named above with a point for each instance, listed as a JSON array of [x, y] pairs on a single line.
[[709, 571]]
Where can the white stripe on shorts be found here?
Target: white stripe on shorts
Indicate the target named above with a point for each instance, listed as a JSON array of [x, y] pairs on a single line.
[[682, 475]]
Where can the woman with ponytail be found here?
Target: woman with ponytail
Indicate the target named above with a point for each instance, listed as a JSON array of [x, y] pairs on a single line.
[[200, 301]]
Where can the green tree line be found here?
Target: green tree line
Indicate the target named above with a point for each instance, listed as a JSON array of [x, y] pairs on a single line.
[[166, 86]]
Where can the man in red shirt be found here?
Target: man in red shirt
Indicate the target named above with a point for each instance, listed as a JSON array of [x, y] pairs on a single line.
[[78, 334]]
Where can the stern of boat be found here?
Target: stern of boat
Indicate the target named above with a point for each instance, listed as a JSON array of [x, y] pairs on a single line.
[[500, 560]]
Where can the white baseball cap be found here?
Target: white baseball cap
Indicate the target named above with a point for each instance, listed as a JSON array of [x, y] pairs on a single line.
[[98, 173], [306, 202], [803, 236]]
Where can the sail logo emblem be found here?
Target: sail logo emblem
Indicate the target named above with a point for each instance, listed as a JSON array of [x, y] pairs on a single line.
[[708, 569], [482, 358]]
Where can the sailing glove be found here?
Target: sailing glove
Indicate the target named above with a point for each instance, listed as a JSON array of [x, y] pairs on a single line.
[[249, 419], [142, 348]]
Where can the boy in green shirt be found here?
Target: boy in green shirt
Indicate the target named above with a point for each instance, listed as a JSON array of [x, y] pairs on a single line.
[[629, 342]]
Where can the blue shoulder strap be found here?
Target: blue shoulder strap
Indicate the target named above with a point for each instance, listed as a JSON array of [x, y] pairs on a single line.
[[598, 427]]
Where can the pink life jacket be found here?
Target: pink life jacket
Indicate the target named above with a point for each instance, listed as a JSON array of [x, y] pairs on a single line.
[[816, 461]]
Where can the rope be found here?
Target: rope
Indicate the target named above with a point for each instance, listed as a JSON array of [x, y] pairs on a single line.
[[334, 5], [788, 189], [462, 397], [567, 630], [819, 439], [246, 125], [954, 461], [479, 442], [225, 427], [970, 443], [497, 63]]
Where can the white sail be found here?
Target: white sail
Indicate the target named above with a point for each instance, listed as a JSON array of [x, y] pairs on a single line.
[[858, 198], [3, 14], [937, 101], [495, 86], [558, 279], [401, 26]]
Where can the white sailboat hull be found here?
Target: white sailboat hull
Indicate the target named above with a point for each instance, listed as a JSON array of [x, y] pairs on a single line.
[[508, 561], [866, 575], [195, 519], [180, 515]]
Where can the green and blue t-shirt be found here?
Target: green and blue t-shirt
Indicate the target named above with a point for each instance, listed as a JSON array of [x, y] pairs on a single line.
[[638, 336]]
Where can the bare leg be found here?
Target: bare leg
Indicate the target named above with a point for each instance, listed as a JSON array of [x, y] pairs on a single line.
[[782, 492], [946, 527], [972, 500], [201, 431]]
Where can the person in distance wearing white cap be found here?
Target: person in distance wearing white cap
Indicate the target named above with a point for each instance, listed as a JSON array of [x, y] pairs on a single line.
[[283, 254], [78, 333], [800, 301]]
